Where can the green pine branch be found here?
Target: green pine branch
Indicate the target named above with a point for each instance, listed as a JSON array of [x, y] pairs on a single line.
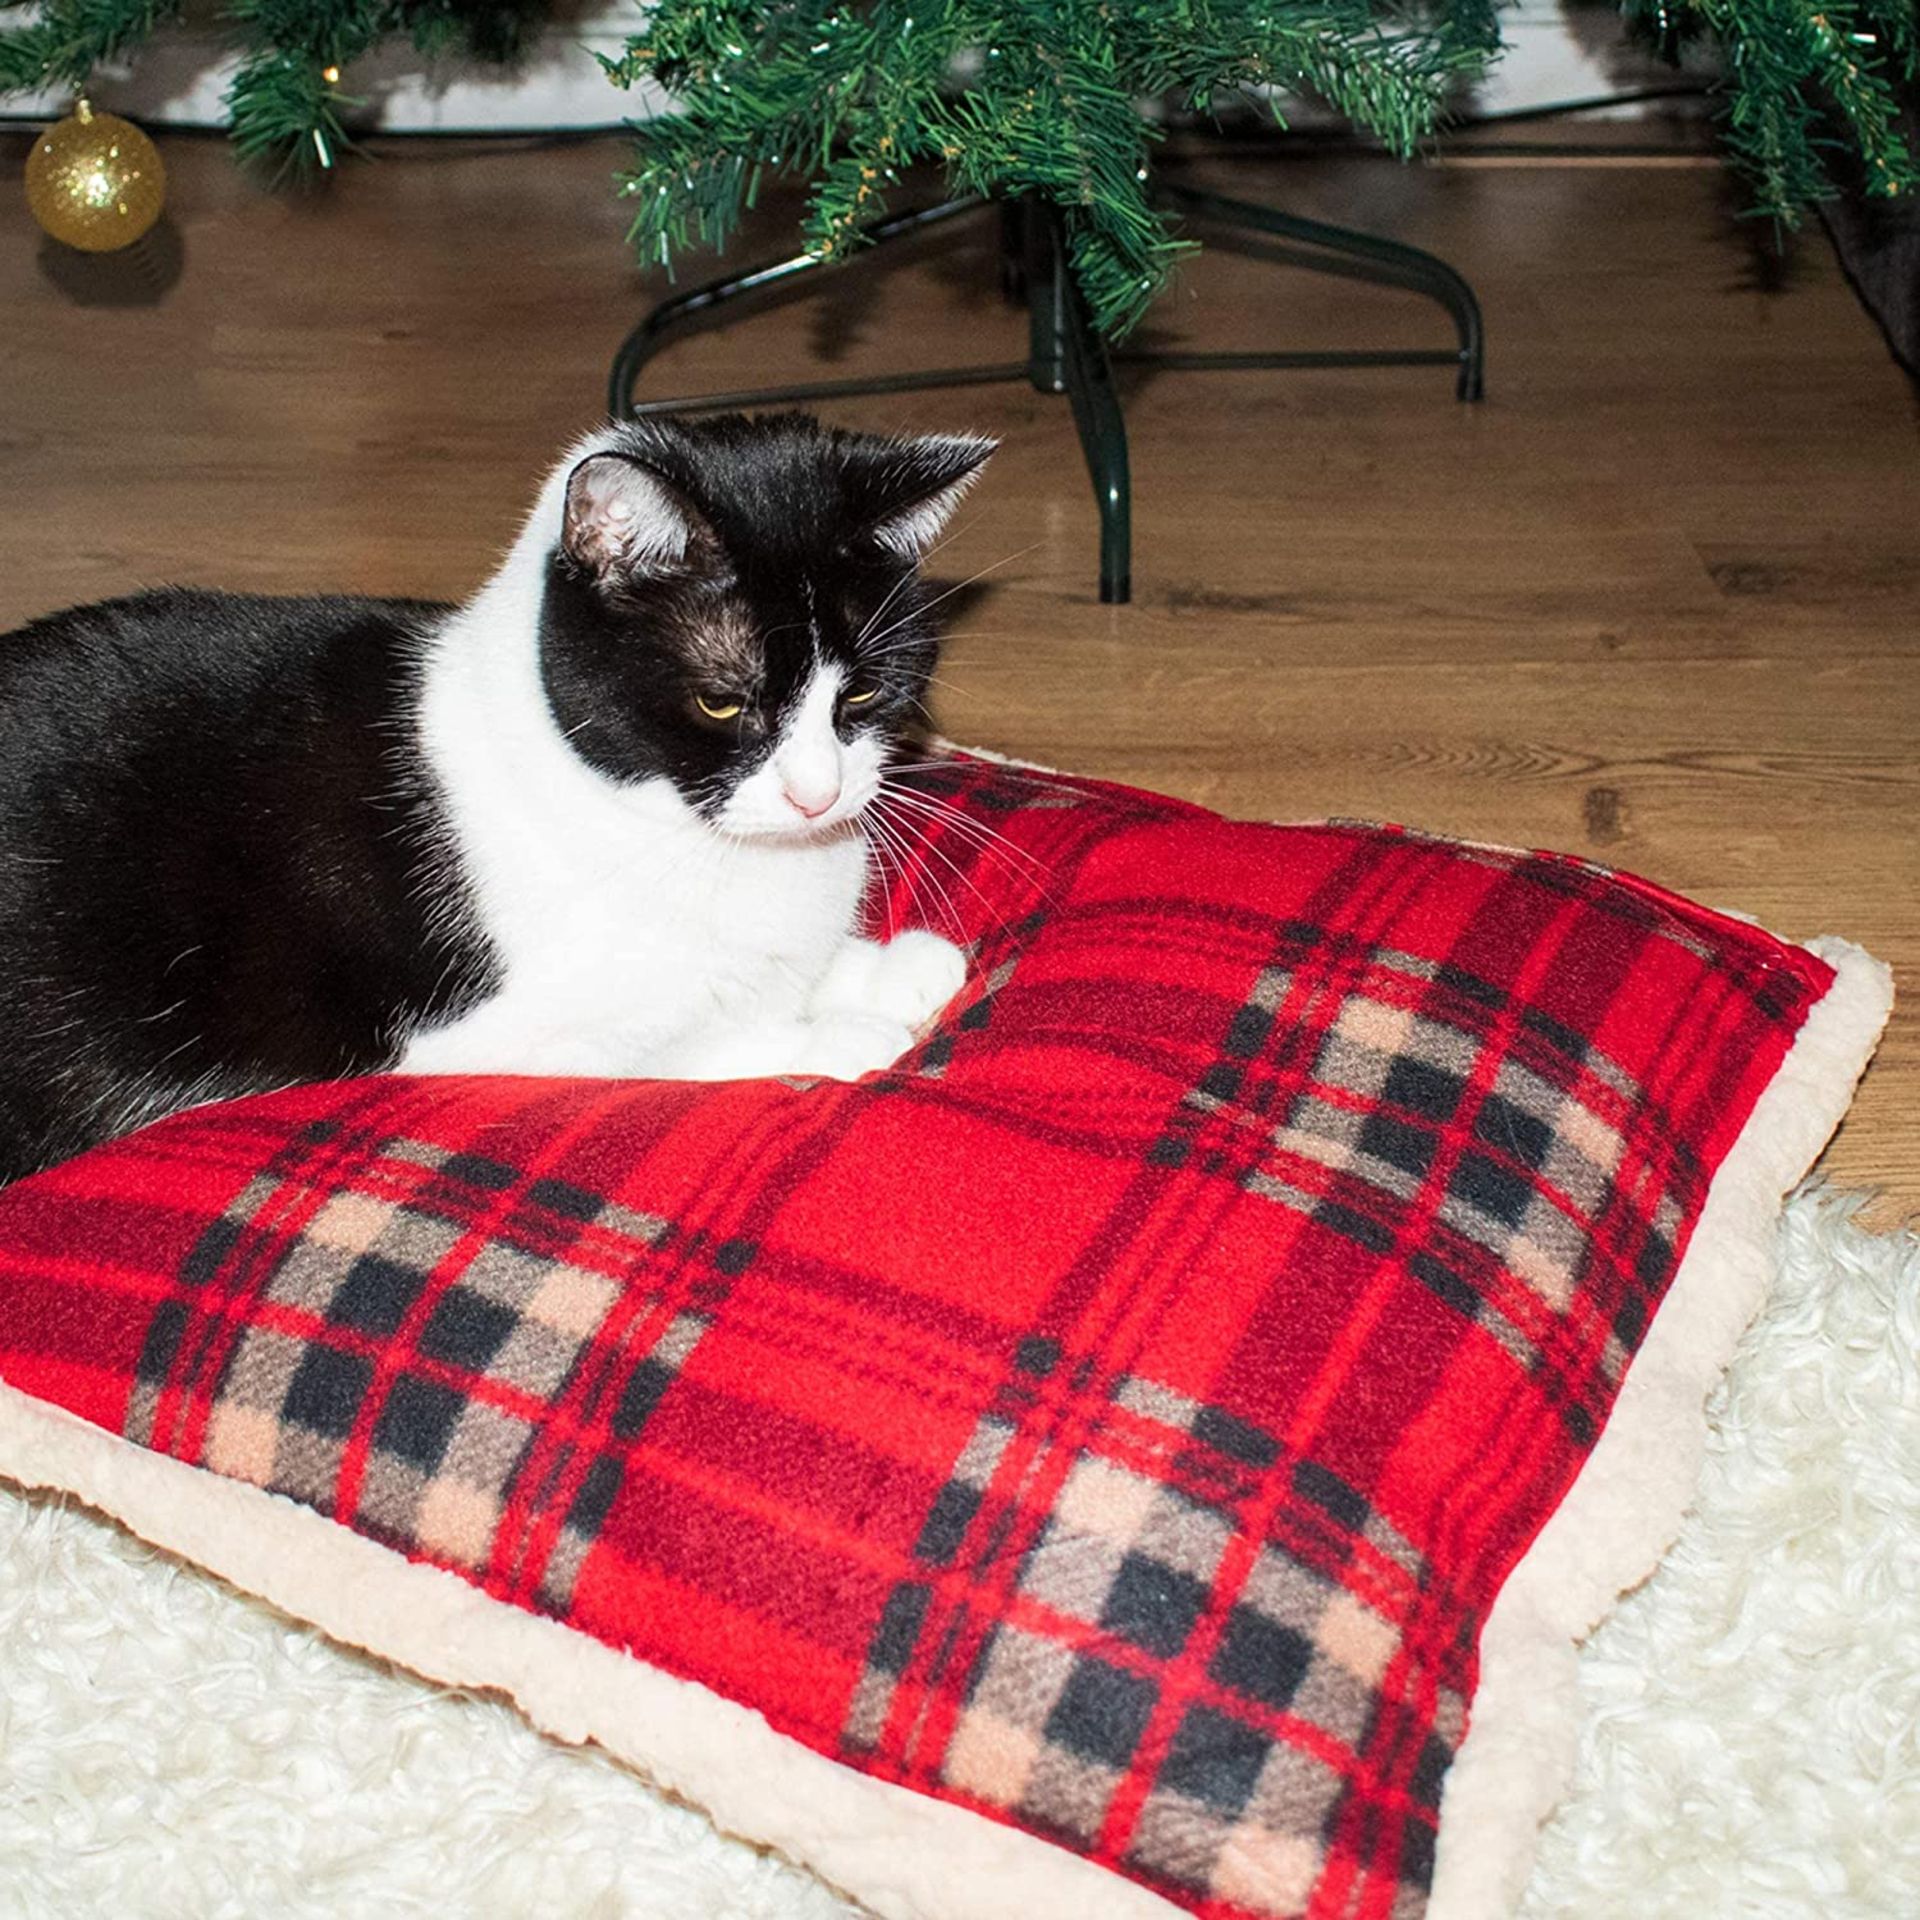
[[282, 105], [1023, 96], [284, 108], [1791, 71], [67, 39]]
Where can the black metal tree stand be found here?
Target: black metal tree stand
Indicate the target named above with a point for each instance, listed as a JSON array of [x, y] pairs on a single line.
[[1064, 352]]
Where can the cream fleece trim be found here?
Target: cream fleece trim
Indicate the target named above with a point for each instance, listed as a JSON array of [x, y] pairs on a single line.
[[907, 1856], [1625, 1509]]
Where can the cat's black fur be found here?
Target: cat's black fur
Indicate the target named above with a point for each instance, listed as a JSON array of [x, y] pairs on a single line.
[[223, 862], [214, 873]]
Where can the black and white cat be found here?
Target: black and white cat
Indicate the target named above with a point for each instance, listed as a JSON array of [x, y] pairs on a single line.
[[605, 818]]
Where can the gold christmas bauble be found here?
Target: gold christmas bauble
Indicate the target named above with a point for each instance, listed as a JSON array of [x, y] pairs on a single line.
[[95, 181]]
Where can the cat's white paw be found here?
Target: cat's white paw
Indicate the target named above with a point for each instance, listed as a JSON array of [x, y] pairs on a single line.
[[847, 985], [843, 1046], [908, 980], [918, 973]]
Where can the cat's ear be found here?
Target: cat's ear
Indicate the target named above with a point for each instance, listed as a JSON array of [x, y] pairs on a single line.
[[622, 518], [916, 484]]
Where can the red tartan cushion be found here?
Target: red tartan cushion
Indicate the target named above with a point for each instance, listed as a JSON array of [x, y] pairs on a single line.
[[1118, 1420]]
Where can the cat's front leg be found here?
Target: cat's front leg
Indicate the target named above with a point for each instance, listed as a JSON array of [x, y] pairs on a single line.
[[907, 979]]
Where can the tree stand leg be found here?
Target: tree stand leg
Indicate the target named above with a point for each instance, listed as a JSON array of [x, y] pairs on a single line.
[[1390, 261], [772, 281], [1066, 354]]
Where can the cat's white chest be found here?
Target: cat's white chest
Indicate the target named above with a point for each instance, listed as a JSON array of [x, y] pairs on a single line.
[[659, 923], [621, 924]]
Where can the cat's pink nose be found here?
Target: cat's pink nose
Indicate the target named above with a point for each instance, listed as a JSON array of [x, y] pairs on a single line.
[[811, 801]]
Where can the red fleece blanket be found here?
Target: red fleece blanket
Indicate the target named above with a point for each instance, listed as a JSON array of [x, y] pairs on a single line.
[[1118, 1418]]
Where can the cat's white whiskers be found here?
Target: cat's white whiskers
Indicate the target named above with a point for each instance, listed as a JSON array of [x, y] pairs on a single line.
[[889, 871], [916, 872], [933, 680], [873, 619], [898, 649], [958, 587], [938, 852], [884, 848], [912, 575], [1038, 878], [971, 826], [972, 832], [1002, 770], [932, 850]]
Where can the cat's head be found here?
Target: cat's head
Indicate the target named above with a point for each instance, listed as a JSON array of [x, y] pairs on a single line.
[[734, 605]]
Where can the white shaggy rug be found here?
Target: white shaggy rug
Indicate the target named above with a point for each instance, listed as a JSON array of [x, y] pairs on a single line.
[[1752, 1752]]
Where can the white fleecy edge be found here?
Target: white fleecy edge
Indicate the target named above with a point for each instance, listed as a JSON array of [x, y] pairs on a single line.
[[905, 1855], [1625, 1508]]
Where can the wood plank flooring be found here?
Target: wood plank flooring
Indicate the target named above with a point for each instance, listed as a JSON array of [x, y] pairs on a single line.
[[1658, 598]]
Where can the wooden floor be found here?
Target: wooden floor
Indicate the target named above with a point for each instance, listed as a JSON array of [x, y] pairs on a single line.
[[1658, 598]]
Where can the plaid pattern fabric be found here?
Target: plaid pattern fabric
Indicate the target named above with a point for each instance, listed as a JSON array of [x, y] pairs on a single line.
[[1117, 1419]]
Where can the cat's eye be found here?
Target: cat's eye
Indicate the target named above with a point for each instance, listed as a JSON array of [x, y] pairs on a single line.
[[717, 710], [860, 699]]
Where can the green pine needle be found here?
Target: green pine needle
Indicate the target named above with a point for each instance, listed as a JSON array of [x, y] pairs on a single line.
[[1794, 72]]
